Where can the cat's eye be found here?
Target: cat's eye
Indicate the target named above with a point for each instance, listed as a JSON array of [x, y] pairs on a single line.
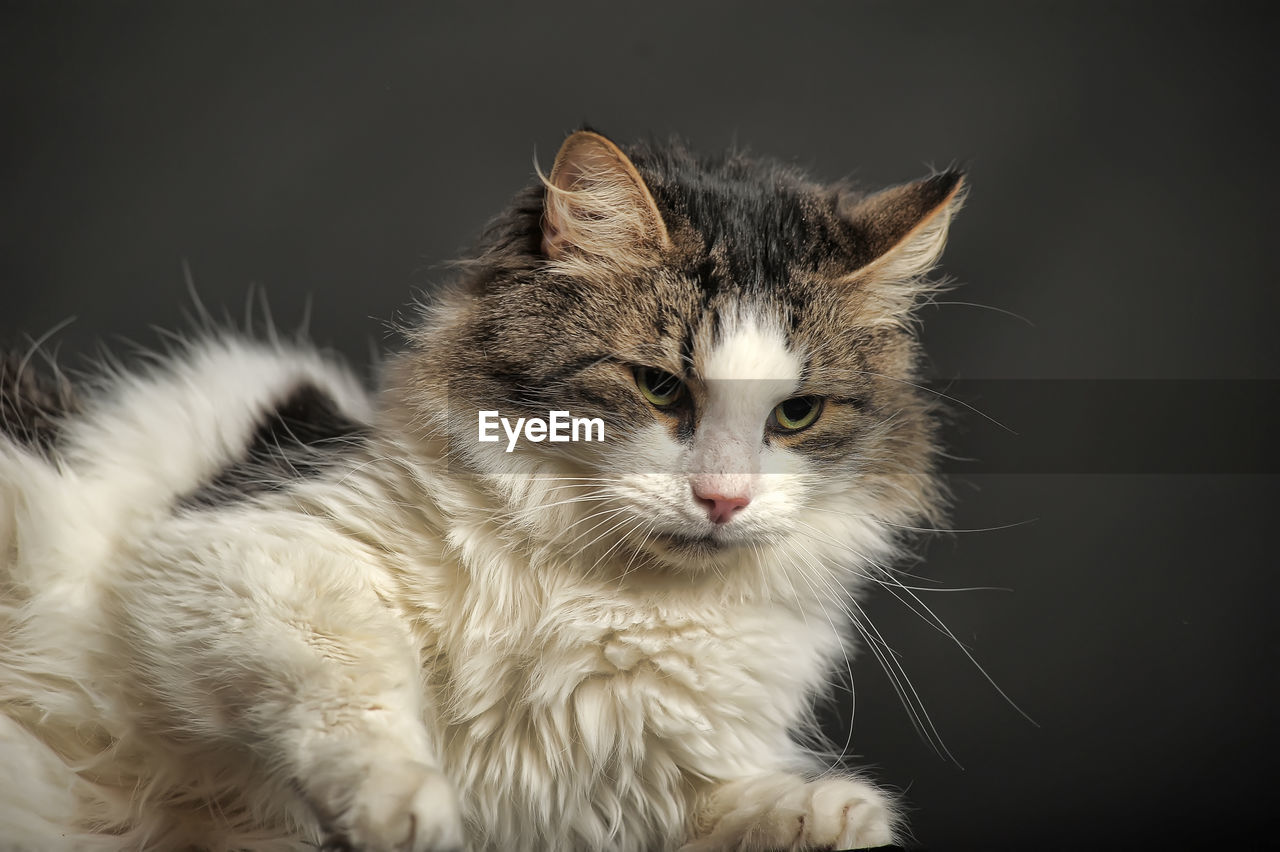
[[796, 413], [662, 389]]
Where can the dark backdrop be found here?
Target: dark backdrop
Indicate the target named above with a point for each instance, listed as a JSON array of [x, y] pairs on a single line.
[[1122, 206]]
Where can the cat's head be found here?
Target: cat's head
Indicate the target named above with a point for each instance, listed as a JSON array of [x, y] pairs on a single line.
[[742, 333]]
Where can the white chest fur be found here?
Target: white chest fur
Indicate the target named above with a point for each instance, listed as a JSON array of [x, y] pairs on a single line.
[[596, 721]]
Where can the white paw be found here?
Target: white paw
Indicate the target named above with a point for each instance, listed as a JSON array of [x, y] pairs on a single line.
[[784, 812], [846, 814], [406, 807]]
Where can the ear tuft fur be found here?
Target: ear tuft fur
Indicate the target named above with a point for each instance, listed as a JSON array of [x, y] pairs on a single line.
[[597, 205]]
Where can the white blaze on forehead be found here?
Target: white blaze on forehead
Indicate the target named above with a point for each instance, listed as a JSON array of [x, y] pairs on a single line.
[[749, 371], [750, 348]]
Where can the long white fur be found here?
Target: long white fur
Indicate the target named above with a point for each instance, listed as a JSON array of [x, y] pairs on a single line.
[[394, 650]]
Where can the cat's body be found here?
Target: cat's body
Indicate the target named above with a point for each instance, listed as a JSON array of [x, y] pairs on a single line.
[[245, 605]]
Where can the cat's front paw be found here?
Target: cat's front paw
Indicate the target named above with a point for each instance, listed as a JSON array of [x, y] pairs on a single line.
[[406, 808], [844, 813], [784, 812]]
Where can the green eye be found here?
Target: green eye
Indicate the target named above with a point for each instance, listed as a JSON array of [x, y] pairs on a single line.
[[796, 413], [660, 388]]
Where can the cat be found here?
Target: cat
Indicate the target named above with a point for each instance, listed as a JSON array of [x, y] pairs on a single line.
[[247, 604]]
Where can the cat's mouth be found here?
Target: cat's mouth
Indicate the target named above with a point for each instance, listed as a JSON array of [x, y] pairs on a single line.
[[688, 545]]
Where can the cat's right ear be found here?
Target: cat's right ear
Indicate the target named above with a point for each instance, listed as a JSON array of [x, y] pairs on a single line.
[[899, 235], [902, 230], [597, 205]]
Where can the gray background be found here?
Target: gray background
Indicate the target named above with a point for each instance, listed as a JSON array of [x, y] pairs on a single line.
[[1122, 203]]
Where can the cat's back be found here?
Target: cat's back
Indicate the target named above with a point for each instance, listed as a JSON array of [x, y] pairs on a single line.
[[209, 422], [91, 463]]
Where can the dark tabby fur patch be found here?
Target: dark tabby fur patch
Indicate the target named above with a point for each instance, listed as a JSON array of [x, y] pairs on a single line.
[[299, 437], [33, 402]]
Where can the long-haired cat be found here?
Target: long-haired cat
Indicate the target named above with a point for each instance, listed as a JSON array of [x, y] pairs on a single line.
[[246, 605]]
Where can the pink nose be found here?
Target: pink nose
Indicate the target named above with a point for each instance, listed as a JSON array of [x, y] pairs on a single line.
[[720, 509]]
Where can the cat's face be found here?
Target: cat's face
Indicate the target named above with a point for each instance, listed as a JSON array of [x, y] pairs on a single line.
[[741, 334]]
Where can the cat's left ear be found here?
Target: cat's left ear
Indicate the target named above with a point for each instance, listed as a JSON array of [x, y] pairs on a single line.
[[901, 231], [597, 205]]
